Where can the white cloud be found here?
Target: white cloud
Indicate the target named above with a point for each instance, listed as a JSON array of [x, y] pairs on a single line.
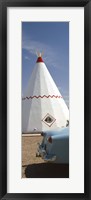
[[27, 58]]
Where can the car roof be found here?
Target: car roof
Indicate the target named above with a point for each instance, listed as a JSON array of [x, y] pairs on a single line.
[[57, 131], [61, 135]]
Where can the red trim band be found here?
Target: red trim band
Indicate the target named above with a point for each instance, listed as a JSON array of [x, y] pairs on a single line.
[[37, 97]]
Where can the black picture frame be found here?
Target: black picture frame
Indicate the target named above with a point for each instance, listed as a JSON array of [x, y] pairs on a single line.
[[3, 97]]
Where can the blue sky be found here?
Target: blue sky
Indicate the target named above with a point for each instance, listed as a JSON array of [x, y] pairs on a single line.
[[53, 39]]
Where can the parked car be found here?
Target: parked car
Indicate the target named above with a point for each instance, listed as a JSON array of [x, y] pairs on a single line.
[[55, 146]]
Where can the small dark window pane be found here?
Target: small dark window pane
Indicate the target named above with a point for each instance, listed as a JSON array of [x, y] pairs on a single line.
[[48, 119]]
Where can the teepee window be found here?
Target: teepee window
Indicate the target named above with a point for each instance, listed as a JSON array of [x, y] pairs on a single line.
[[48, 120]]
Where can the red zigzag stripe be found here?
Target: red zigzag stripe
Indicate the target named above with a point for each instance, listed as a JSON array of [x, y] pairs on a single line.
[[37, 97]]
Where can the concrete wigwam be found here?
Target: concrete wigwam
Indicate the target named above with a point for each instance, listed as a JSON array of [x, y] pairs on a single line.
[[43, 107]]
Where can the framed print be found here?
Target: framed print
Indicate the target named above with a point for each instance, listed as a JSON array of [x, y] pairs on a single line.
[[45, 99]]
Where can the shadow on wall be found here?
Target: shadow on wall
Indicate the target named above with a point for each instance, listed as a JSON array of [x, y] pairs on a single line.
[[47, 170]]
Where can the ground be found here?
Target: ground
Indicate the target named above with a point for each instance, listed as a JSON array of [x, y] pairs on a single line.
[[35, 167]]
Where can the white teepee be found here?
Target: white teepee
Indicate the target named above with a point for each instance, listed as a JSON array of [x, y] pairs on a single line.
[[43, 107]]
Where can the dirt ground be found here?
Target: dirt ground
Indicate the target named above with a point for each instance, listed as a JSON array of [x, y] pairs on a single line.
[[35, 167]]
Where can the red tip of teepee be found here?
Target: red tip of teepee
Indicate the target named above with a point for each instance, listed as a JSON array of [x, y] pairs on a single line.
[[39, 59]]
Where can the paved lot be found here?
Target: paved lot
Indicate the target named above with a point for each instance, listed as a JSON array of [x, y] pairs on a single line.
[[35, 167]]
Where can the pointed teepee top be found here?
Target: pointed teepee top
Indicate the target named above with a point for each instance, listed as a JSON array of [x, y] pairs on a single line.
[[39, 59]]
